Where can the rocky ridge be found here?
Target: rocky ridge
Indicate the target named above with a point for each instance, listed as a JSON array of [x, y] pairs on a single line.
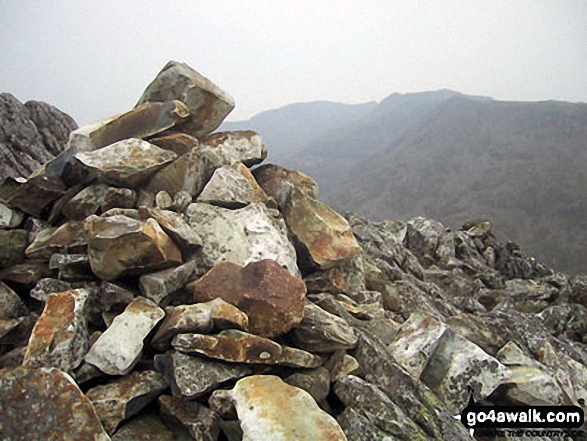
[[153, 285]]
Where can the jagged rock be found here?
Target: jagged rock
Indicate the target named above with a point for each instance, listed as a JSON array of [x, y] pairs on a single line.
[[192, 377], [31, 195], [11, 305], [189, 172], [125, 397], [531, 383], [232, 187], [159, 286], [272, 410], [322, 233], [86, 202], [68, 238], [126, 163], [179, 143], [568, 320], [249, 234], [358, 428], [45, 287], [60, 337], [579, 290], [423, 237], [181, 201], [32, 134], [8, 325], [207, 103], [316, 382], [271, 297], [320, 331], [200, 318], [457, 363], [378, 409], [9, 218], [241, 347], [13, 244], [340, 364], [416, 341], [345, 277], [175, 226], [278, 182], [117, 350], [72, 267], [45, 404], [148, 427], [26, 273], [241, 146], [119, 246], [118, 198], [478, 331], [201, 423]]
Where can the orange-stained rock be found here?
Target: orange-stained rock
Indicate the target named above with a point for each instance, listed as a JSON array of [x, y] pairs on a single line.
[[179, 143], [68, 238], [278, 182], [271, 297], [120, 246]]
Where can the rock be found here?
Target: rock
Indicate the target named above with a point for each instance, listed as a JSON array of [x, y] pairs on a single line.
[[126, 163], [346, 277], [125, 397], [316, 382], [323, 234], [340, 364], [249, 234], [13, 244], [9, 218], [60, 336], [26, 273], [241, 146], [68, 238], [232, 187], [163, 201], [192, 377], [86, 202], [118, 198], [278, 182], [320, 331], [270, 409], [358, 428], [181, 201], [159, 286], [200, 318], [371, 403], [241, 347], [202, 423], [568, 320], [179, 143], [45, 404], [147, 427], [579, 290], [11, 305], [207, 103], [457, 363], [271, 297], [31, 196], [117, 350], [423, 237], [45, 287], [32, 134], [120, 246], [176, 227]]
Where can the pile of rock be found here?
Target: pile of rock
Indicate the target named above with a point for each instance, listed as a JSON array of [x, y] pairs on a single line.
[[153, 284]]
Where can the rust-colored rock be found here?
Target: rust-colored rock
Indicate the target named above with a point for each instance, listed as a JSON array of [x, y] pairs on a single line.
[[179, 143], [271, 297]]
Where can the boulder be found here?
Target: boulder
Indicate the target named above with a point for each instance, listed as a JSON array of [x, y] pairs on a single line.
[[68, 238], [207, 103], [179, 143], [232, 187], [271, 297], [241, 146], [278, 182], [175, 226]]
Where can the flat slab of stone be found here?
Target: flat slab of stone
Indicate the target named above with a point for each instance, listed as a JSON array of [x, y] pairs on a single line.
[[249, 234], [67, 238], [270, 409], [45, 404], [241, 347], [119, 347]]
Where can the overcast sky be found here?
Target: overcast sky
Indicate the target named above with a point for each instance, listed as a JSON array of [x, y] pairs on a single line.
[[94, 58]]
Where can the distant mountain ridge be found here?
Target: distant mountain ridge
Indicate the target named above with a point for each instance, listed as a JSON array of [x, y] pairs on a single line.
[[453, 157]]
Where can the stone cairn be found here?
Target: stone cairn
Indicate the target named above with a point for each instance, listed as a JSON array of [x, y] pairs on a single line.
[[154, 286]]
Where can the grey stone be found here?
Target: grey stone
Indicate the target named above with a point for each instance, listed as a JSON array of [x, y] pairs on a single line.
[[13, 244], [146, 427], [202, 423], [86, 202], [315, 381], [241, 146], [11, 306], [159, 286], [9, 218]]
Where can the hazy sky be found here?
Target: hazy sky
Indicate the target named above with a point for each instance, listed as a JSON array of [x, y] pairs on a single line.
[[94, 58]]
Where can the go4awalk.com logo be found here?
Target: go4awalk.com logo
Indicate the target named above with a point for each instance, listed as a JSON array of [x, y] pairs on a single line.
[[522, 421]]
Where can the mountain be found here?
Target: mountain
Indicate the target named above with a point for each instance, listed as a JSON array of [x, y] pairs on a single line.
[[454, 157]]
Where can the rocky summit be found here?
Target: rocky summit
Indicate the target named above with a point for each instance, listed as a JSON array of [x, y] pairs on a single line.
[[156, 282]]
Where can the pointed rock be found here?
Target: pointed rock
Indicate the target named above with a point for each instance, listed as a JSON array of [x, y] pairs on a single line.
[[9, 218], [11, 305], [175, 226], [232, 187], [45, 404], [125, 397], [118, 198], [86, 202], [202, 423], [192, 377], [120, 246], [33, 195], [159, 286], [126, 163], [68, 238], [241, 146], [272, 410], [241, 347], [271, 297], [45, 287], [249, 234], [117, 350], [207, 103], [278, 182], [60, 337], [200, 318]]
